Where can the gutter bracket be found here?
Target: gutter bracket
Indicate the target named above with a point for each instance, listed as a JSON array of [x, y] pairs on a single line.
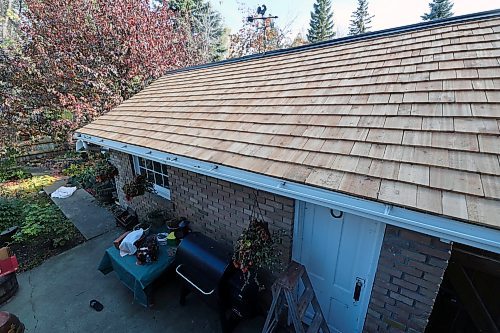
[[388, 209]]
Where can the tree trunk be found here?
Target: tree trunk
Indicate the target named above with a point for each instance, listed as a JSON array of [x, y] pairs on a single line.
[[5, 28]]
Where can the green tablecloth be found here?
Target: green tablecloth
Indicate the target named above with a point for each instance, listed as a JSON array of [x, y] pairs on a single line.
[[136, 277]]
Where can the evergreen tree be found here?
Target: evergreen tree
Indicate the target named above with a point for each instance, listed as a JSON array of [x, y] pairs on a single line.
[[440, 9], [209, 38], [321, 24], [361, 19]]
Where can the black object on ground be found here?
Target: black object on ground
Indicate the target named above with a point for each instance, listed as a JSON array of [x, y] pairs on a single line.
[[10, 323], [8, 287], [96, 305], [6, 235]]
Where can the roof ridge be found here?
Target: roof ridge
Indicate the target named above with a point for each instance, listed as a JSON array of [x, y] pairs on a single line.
[[366, 36]]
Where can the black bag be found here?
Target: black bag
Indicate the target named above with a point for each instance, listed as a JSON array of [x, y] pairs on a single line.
[[148, 250]]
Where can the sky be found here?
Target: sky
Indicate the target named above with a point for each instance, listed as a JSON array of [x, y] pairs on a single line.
[[388, 13]]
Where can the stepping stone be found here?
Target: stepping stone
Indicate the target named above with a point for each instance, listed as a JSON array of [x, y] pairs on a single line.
[[58, 183], [82, 210]]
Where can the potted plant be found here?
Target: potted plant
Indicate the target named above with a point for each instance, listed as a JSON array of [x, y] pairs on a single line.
[[138, 186], [157, 218], [105, 171], [254, 250], [176, 223]]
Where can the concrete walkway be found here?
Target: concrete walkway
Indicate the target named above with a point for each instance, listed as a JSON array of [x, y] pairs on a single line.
[[54, 297], [88, 217]]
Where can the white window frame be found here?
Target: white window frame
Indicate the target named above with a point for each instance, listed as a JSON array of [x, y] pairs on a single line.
[[160, 190]]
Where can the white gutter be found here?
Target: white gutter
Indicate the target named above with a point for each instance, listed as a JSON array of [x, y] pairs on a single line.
[[441, 227]]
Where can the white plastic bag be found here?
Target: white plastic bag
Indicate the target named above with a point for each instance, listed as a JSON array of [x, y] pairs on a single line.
[[63, 192], [127, 245]]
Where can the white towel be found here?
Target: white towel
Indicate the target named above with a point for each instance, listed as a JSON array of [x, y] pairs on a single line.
[[127, 245], [63, 192]]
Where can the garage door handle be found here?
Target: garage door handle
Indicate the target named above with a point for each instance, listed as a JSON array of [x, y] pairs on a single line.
[[357, 289], [192, 283]]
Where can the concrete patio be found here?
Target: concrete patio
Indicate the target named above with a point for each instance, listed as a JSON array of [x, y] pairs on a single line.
[[54, 297]]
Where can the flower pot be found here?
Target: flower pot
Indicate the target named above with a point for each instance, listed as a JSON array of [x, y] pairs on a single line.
[[177, 223], [157, 218], [6, 235]]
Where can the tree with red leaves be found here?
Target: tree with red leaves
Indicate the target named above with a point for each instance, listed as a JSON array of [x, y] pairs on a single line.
[[81, 58]]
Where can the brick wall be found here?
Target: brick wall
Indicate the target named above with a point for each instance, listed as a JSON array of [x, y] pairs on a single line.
[[217, 208], [142, 204], [409, 274], [222, 209]]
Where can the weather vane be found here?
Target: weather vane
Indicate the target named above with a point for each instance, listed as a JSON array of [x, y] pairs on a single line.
[[261, 12]]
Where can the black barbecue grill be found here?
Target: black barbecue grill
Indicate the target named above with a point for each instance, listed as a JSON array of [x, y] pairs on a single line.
[[205, 268]]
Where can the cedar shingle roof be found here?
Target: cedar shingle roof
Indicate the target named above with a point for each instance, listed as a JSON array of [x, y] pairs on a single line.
[[410, 119]]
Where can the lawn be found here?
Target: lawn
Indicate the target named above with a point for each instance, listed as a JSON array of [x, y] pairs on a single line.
[[43, 231]]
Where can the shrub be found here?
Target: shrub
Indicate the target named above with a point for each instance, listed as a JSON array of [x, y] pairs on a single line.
[[44, 219], [11, 213], [9, 169], [82, 174]]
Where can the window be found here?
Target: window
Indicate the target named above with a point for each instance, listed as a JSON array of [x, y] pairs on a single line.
[[156, 174]]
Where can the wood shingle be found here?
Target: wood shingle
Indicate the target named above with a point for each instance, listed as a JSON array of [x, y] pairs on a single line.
[[411, 119]]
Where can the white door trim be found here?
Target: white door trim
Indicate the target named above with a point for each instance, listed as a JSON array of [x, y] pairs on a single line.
[[298, 229], [371, 276]]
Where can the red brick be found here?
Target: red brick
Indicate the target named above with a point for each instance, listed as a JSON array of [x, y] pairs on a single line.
[[386, 285], [405, 284], [413, 255], [431, 293], [438, 253], [401, 298], [433, 278], [426, 267], [438, 262], [410, 269], [420, 281], [417, 297], [415, 237]]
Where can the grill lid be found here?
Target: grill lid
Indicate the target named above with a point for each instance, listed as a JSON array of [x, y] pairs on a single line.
[[202, 262]]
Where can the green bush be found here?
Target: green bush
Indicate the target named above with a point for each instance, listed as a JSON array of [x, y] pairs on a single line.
[[73, 170], [37, 217], [83, 174], [43, 218], [9, 169], [11, 213]]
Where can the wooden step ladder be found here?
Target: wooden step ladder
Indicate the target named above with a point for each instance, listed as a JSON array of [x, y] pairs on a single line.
[[284, 295]]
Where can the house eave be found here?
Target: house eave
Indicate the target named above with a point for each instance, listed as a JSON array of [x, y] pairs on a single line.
[[444, 228]]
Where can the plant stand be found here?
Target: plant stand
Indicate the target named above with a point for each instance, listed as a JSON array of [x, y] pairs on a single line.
[[104, 192], [126, 218]]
